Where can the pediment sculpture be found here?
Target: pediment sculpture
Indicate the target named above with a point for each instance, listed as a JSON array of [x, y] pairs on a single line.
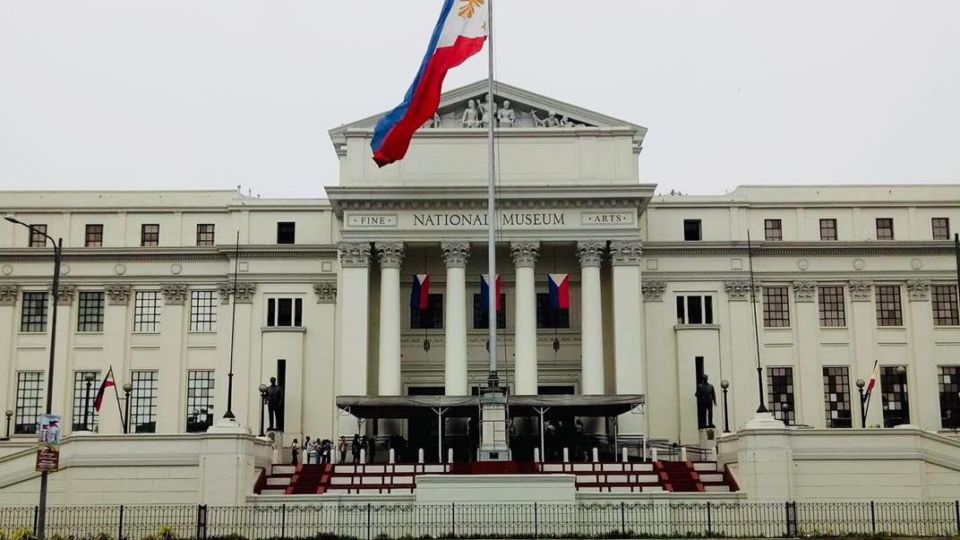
[[475, 113]]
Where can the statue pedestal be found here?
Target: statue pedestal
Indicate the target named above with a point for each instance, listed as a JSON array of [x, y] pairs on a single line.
[[708, 438], [494, 445], [228, 425]]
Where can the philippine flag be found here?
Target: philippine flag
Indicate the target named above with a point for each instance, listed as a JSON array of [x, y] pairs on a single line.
[[559, 285], [420, 292], [459, 34], [485, 293], [873, 380], [107, 383]]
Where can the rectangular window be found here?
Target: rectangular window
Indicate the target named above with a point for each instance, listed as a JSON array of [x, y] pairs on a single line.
[[884, 228], [203, 311], [776, 307], [199, 400], [480, 319], [941, 228], [93, 237], [836, 396], [84, 396], [772, 230], [944, 305], [143, 402], [691, 230], [948, 380], [889, 311], [37, 235], [285, 312], [29, 401], [780, 393], [146, 311], [893, 385], [286, 232], [548, 317], [150, 235], [205, 235], [432, 317], [33, 312], [90, 312], [832, 308], [828, 229], [695, 309]]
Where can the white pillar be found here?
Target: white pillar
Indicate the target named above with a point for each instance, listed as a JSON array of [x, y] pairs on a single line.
[[352, 361], [391, 257], [591, 318], [455, 382], [524, 259], [628, 346]]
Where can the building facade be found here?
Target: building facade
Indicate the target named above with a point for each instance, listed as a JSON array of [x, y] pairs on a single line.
[[169, 289]]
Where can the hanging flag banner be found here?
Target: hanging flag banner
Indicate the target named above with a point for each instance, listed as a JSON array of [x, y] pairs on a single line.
[[420, 292], [459, 34], [559, 287], [485, 293], [48, 435]]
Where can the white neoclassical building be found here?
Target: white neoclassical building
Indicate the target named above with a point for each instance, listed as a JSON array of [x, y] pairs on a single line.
[[659, 290]]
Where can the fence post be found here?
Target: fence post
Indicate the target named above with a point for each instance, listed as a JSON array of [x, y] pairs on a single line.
[[369, 508], [120, 524], [536, 520], [709, 520], [956, 511], [873, 518], [623, 518], [283, 520], [453, 520], [791, 508], [36, 509], [201, 521]]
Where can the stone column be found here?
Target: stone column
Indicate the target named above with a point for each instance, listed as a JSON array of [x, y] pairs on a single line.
[[391, 256], [628, 343], [863, 337], [525, 259], [354, 280], [9, 296], [590, 254], [455, 255], [808, 376], [925, 410]]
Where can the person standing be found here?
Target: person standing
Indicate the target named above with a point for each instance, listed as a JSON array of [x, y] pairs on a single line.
[[342, 448], [295, 452], [306, 450], [356, 448]]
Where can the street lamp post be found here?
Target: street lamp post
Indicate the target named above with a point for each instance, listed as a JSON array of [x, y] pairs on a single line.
[[9, 415], [263, 404], [88, 378], [127, 388], [863, 403], [57, 256], [725, 384]]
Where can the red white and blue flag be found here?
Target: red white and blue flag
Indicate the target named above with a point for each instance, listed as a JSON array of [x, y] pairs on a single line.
[[873, 381], [106, 383], [420, 292], [485, 293], [459, 34], [559, 287]]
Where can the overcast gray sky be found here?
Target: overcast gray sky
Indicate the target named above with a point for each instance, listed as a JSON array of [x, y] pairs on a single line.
[[147, 94]]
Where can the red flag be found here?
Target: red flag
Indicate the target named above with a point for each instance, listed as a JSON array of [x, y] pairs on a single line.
[[107, 382]]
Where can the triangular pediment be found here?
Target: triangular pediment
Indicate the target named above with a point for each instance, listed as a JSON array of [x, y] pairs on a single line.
[[515, 108]]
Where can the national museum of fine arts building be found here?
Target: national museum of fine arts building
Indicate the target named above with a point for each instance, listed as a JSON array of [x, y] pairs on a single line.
[[640, 331]]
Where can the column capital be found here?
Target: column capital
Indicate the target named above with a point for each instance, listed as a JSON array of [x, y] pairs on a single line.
[[590, 252], [174, 294], [455, 254], [524, 253], [390, 254], [805, 291], [653, 290], [354, 254], [326, 291], [65, 295], [861, 290], [118, 295], [9, 294], [919, 290], [738, 291], [625, 252]]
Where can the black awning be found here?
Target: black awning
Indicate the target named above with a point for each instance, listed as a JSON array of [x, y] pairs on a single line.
[[465, 406]]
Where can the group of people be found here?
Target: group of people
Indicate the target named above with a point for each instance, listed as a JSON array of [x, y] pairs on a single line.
[[322, 452]]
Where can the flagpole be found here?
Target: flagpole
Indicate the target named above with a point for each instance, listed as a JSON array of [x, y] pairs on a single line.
[[116, 394], [756, 325], [491, 210]]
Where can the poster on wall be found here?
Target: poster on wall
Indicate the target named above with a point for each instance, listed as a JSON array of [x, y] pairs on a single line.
[[48, 454]]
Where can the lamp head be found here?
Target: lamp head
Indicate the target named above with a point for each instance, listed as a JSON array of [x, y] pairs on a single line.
[[901, 369], [724, 384], [127, 387], [860, 384], [9, 413], [13, 220], [263, 389], [89, 377]]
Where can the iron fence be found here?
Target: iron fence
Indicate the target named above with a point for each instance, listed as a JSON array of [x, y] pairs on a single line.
[[659, 518]]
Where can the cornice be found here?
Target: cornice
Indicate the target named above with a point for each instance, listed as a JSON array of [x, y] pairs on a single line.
[[785, 249], [185, 253]]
